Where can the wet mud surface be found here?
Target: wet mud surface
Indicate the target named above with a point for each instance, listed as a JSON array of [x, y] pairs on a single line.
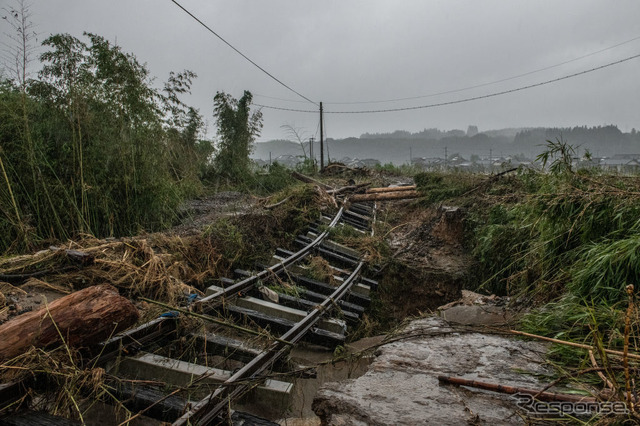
[[401, 386]]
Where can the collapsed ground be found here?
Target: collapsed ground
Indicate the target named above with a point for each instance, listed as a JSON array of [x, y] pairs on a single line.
[[466, 231]]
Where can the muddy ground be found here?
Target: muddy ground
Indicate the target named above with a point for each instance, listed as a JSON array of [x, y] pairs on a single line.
[[401, 386]]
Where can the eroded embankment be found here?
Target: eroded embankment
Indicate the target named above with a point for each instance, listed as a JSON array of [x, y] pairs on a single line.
[[429, 265]]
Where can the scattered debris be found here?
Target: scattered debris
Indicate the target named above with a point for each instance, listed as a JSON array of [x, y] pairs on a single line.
[[385, 196]]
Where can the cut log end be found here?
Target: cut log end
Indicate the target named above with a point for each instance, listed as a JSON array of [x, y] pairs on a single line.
[[83, 318]]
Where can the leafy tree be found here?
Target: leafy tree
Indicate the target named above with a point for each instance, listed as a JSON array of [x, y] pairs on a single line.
[[559, 155], [92, 146], [237, 129], [189, 153]]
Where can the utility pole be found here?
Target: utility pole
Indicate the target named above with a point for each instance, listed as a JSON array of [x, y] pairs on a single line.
[[410, 156], [313, 160], [321, 138], [445, 158]]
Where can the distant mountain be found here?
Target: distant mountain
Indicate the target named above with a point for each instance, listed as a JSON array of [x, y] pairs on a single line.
[[399, 146]]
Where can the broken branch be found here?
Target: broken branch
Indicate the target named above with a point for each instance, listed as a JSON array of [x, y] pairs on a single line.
[[542, 396]]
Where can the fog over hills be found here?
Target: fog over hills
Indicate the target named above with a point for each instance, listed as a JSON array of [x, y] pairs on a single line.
[[400, 146]]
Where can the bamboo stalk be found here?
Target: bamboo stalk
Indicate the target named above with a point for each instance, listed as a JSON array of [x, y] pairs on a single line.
[[625, 358], [348, 188], [13, 200], [271, 206], [542, 396], [307, 179], [606, 381], [575, 345]]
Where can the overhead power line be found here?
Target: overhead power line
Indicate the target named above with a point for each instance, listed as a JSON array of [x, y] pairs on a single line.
[[462, 89], [315, 111], [240, 53], [447, 92], [459, 101]]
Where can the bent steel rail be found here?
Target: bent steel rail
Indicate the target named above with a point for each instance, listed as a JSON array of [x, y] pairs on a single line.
[[212, 406], [233, 290]]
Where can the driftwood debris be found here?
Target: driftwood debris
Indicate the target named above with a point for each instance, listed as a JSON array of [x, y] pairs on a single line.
[[78, 258], [82, 318], [383, 196], [541, 396], [391, 189], [575, 345]]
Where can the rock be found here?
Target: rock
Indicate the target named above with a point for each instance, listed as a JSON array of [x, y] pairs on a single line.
[[477, 309], [401, 386], [477, 315]]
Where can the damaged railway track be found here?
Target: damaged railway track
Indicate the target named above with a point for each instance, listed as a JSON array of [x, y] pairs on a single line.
[[318, 312]]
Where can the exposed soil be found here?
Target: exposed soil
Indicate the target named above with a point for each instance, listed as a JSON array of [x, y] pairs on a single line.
[[429, 265]]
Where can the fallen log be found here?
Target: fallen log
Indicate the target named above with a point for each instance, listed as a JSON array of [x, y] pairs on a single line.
[[397, 195], [391, 189], [82, 318], [541, 396]]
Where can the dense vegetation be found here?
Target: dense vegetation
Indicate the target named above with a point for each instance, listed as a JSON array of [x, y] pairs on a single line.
[[93, 146], [567, 241]]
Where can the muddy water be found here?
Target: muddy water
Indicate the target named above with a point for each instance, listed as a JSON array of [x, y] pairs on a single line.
[[305, 389]]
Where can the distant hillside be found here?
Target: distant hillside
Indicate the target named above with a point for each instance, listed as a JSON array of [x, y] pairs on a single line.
[[397, 147], [276, 148]]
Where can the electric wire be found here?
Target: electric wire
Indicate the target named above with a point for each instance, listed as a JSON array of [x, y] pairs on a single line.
[[315, 111], [459, 101], [240, 53], [464, 88], [488, 83]]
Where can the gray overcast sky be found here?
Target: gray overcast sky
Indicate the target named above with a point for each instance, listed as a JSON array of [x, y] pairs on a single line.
[[346, 51]]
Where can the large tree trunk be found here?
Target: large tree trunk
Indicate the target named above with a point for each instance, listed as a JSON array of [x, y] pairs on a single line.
[[83, 318]]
